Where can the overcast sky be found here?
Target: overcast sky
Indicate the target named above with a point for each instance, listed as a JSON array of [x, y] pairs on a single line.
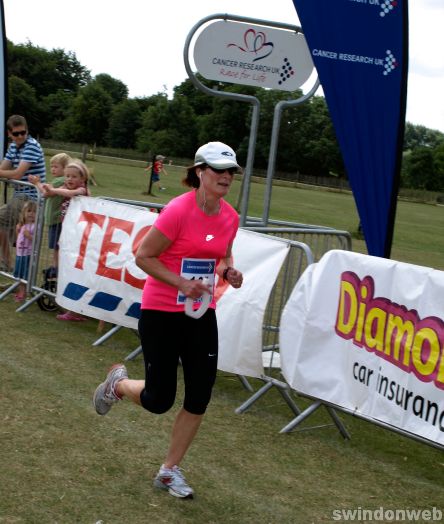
[[140, 42]]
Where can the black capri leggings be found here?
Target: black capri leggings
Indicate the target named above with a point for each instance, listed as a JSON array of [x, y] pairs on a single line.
[[165, 338]]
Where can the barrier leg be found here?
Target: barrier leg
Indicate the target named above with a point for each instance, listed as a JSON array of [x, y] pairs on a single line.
[[29, 302], [342, 429], [245, 383], [288, 399], [243, 407], [283, 389], [301, 417], [311, 409], [107, 335], [134, 354], [9, 290]]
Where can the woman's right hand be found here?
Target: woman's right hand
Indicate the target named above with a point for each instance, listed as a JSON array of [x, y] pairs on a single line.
[[193, 288]]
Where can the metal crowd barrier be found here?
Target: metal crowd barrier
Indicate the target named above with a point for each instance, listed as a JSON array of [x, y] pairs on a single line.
[[298, 235], [320, 239], [298, 258], [9, 230]]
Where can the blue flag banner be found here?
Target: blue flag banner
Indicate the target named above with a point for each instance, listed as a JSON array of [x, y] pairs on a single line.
[[360, 51]]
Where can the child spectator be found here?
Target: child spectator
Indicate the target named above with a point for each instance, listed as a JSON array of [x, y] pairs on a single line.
[[53, 219], [23, 250], [156, 168], [76, 176]]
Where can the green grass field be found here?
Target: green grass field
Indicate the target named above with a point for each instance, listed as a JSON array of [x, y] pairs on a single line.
[[62, 464]]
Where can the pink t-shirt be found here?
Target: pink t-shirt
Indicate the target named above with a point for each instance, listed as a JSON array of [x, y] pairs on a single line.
[[198, 241], [23, 244]]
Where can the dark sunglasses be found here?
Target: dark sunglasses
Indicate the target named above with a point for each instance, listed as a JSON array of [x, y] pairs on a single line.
[[231, 170], [18, 133]]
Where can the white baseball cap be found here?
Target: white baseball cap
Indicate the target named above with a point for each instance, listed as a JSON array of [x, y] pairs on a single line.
[[217, 155]]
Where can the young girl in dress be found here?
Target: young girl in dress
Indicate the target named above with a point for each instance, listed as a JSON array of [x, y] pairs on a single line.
[[76, 176], [25, 232]]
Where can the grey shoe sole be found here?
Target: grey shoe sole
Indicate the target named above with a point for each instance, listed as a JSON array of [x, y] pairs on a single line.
[[100, 405], [159, 484]]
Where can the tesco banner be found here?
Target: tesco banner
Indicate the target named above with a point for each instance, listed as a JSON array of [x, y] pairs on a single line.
[[367, 334], [98, 276]]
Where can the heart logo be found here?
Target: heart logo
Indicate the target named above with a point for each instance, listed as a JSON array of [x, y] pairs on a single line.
[[256, 43]]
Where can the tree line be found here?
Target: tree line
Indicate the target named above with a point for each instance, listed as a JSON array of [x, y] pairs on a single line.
[[62, 101]]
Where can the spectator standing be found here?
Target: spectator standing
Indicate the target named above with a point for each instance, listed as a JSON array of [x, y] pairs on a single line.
[[25, 232], [75, 184], [53, 218], [23, 158]]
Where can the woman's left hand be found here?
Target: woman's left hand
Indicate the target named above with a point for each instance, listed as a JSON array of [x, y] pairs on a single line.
[[234, 278]]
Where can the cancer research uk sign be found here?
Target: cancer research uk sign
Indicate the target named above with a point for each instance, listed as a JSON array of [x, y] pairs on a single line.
[[367, 334], [98, 276], [253, 55]]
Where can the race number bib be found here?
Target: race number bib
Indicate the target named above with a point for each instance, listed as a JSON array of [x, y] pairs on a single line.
[[197, 268]]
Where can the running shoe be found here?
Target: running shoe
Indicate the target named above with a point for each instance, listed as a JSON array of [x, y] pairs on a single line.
[[105, 394], [173, 481]]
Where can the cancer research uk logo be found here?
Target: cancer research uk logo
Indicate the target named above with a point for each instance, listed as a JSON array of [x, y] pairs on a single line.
[[255, 44], [389, 63], [386, 6]]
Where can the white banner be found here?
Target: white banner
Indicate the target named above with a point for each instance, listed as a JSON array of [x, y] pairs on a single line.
[[240, 312], [98, 276], [367, 334]]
